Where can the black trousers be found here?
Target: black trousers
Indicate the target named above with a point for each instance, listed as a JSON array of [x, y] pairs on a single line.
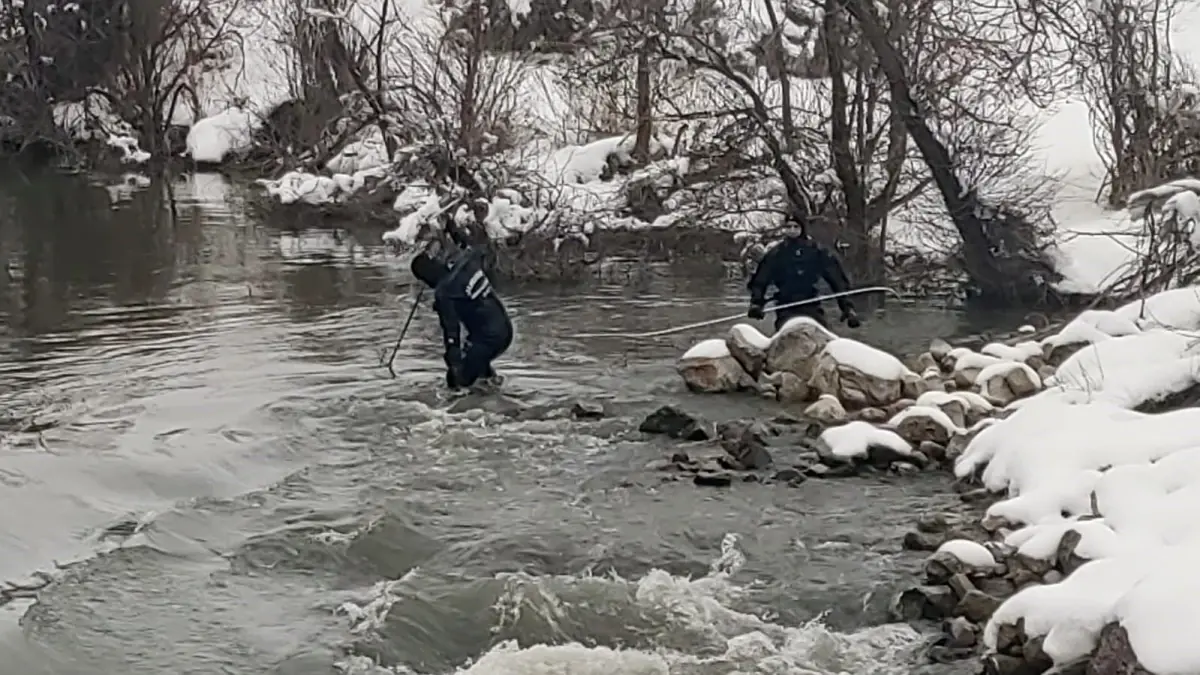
[[812, 310], [483, 347]]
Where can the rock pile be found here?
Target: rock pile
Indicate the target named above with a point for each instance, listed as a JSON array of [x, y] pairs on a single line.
[[866, 409]]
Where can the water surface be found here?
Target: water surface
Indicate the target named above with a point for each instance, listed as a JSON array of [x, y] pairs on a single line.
[[197, 428]]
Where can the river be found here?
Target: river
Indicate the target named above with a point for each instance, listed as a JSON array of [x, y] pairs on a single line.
[[230, 482]]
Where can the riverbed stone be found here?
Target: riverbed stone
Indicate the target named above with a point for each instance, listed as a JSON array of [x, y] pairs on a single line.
[[961, 585], [827, 410], [922, 541], [745, 442], [899, 406], [674, 423], [713, 479], [789, 388], [977, 606], [796, 346], [709, 368], [1015, 381], [930, 603], [960, 632], [1115, 655], [934, 451], [1065, 558], [587, 410], [1003, 664], [939, 349], [919, 423], [872, 415]]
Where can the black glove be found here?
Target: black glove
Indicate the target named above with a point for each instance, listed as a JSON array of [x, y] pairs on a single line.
[[850, 318], [756, 312]]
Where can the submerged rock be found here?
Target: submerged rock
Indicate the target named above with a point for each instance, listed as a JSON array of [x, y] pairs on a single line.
[[713, 479], [672, 422], [587, 410], [745, 442]]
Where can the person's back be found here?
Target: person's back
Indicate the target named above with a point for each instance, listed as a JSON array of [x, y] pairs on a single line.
[[464, 297], [794, 266]]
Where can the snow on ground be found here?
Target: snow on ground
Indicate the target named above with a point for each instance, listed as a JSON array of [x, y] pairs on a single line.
[[1094, 243], [1079, 457], [93, 119]]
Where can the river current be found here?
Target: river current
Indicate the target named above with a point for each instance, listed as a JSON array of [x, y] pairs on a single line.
[[198, 443]]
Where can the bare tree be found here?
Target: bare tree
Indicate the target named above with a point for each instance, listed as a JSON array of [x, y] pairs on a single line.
[[1002, 268]]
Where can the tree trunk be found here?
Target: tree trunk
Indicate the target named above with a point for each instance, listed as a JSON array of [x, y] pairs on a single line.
[[993, 283], [645, 122]]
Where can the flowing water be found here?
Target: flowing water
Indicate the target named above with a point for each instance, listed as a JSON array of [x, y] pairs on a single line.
[[200, 437]]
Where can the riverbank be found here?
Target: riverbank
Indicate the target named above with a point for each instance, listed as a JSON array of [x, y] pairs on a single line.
[[1071, 548]]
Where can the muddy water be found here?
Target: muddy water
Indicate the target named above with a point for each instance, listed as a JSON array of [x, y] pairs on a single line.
[[198, 434]]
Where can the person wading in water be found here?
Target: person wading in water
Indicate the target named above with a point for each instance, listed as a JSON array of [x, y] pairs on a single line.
[[793, 267], [463, 297]]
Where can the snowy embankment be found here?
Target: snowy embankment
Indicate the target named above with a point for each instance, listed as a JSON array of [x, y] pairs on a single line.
[[1090, 478], [1091, 540]]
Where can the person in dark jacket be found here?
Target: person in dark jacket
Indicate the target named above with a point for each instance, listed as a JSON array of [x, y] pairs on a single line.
[[793, 267], [463, 298]]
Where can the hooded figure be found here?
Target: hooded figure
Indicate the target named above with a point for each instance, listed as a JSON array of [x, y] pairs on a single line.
[[793, 267], [463, 297]]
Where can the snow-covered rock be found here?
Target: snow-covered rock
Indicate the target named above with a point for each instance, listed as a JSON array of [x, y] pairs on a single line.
[[827, 410], [708, 367], [917, 424], [749, 347], [796, 346], [859, 375], [860, 440], [1002, 383], [1104, 492]]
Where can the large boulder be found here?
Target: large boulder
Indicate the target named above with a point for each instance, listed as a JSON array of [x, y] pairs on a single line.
[[859, 375], [1003, 383], [710, 368], [749, 347], [796, 346]]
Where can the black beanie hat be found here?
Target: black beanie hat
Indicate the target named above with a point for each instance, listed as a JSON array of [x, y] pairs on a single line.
[[428, 269]]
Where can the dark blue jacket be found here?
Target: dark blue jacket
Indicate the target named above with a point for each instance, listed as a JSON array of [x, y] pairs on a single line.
[[464, 298], [793, 267]]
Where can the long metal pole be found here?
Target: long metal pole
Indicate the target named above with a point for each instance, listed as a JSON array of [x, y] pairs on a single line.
[[403, 331]]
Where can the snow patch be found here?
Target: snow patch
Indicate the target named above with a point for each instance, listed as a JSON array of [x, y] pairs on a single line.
[[854, 439], [866, 359], [707, 349]]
